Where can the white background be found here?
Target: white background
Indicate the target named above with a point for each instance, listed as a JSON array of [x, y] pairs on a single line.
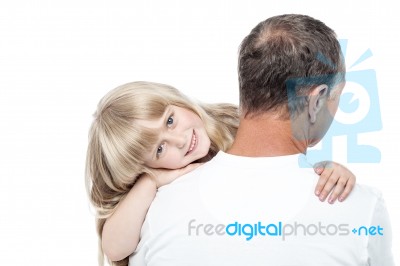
[[58, 58]]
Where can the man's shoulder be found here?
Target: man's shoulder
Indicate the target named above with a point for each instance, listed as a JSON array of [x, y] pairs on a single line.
[[362, 203], [366, 191]]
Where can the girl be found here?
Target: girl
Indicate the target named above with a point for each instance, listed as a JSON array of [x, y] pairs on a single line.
[[127, 162]]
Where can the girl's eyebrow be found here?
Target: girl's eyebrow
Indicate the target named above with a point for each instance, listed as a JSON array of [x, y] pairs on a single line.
[[167, 113], [157, 123]]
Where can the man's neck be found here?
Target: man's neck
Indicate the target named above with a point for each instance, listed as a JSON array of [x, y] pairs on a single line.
[[266, 136]]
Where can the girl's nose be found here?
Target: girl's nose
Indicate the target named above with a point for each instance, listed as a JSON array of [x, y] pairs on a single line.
[[177, 139]]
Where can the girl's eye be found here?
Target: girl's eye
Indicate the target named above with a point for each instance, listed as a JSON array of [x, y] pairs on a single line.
[[170, 121], [160, 150]]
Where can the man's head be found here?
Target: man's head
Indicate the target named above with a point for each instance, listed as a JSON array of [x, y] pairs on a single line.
[[289, 64]]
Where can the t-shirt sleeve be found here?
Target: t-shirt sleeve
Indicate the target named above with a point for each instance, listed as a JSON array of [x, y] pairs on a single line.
[[380, 246]]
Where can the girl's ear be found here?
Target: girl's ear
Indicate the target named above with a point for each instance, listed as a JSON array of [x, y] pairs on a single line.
[[316, 100]]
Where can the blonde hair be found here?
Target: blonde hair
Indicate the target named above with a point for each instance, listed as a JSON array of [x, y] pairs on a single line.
[[117, 143]]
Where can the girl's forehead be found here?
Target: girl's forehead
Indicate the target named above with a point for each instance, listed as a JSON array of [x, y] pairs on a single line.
[[156, 123], [150, 124]]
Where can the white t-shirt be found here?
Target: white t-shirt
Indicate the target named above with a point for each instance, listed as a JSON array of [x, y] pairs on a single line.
[[261, 211]]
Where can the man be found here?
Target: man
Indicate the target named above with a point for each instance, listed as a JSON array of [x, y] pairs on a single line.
[[254, 205]]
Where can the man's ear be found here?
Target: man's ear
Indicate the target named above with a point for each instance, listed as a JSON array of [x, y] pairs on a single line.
[[316, 100]]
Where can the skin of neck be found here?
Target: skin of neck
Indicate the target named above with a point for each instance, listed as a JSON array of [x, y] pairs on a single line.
[[268, 135]]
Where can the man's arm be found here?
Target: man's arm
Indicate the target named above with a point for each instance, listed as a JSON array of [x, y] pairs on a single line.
[[380, 246]]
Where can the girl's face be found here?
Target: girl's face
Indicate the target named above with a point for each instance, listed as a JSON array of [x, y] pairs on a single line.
[[182, 139]]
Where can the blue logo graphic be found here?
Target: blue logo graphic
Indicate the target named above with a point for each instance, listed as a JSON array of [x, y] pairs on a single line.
[[368, 231], [358, 112]]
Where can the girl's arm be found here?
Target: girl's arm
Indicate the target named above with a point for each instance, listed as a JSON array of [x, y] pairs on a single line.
[[335, 179], [121, 232]]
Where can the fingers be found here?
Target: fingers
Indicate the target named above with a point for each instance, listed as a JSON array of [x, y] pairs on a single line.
[[337, 182], [326, 183], [349, 185], [320, 166], [320, 184], [339, 188], [325, 171], [166, 176], [189, 168]]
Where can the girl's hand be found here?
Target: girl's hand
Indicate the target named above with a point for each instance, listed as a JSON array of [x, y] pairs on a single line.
[[121, 232], [163, 177], [335, 179]]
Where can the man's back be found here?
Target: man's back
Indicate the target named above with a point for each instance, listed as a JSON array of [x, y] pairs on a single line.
[[261, 211]]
